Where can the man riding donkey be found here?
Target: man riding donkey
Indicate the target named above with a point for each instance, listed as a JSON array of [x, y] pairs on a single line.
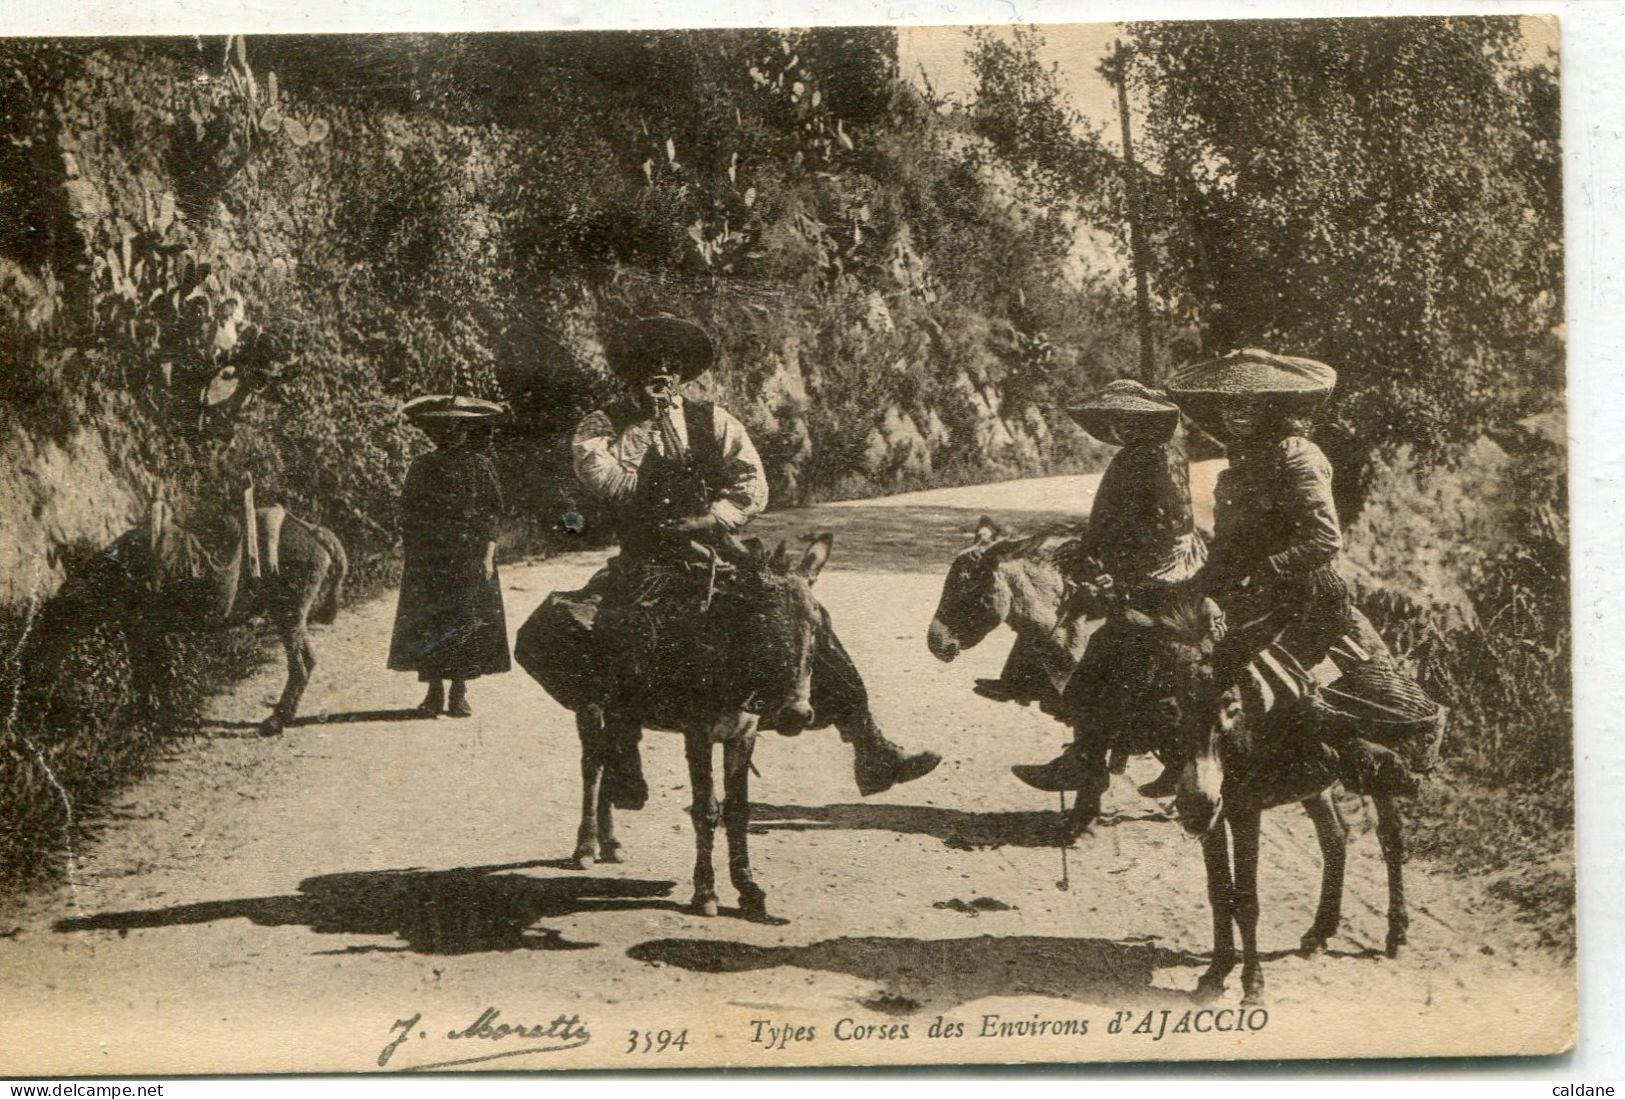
[[1142, 535], [679, 474], [1271, 572]]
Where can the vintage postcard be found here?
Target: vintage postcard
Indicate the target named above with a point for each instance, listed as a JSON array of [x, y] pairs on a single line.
[[784, 547]]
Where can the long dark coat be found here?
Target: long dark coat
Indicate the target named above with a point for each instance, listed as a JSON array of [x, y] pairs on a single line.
[[449, 623]]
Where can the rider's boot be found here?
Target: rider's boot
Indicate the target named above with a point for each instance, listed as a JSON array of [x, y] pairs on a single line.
[[1369, 768], [435, 700], [624, 784], [996, 689], [1021, 680], [877, 763], [1165, 785], [1070, 770]]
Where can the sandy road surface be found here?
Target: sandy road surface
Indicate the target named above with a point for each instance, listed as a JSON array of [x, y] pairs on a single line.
[[266, 905]]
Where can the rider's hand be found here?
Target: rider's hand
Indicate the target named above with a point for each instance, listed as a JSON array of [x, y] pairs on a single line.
[[695, 524], [655, 394]]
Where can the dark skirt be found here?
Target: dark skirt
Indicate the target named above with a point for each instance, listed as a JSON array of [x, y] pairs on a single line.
[[449, 623]]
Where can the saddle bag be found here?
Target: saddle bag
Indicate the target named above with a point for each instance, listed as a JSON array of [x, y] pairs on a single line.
[[555, 646], [1378, 703]]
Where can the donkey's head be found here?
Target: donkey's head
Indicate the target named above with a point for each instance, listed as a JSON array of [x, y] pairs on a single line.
[[1000, 578], [774, 623], [1203, 714], [975, 597], [167, 570]]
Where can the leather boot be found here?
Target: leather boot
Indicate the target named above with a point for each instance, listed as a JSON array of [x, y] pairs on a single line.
[[1165, 785], [1372, 769], [996, 689], [623, 782], [1067, 771], [878, 764]]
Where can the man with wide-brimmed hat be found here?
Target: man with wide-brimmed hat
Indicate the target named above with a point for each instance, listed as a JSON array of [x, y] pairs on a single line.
[[1142, 534], [675, 470]]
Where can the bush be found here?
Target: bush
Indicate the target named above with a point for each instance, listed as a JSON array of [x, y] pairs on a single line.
[[1504, 805]]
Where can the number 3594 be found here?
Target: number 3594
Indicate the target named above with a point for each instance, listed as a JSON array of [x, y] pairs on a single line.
[[656, 1041]]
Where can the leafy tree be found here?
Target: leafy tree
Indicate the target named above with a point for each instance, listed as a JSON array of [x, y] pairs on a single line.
[[1380, 194]]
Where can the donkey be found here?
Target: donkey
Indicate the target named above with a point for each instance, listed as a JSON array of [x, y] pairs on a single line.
[[1002, 579], [1016, 581], [708, 665], [1234, 767], [182, 583]]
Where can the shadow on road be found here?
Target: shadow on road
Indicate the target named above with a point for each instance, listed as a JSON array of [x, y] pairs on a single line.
[[463, 911], [350, 717], [957, 828], [941, 974]]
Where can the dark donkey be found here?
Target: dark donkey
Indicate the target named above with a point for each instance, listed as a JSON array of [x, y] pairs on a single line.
[[288, 570], [730, 641], [1237, 764]]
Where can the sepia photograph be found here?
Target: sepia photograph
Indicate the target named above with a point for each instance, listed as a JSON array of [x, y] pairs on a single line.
[[785, 547]]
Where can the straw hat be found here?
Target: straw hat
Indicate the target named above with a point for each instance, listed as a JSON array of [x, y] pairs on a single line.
[[661, 339], [1255, 373], [1290, 385], [441, 407], [1122, 403]]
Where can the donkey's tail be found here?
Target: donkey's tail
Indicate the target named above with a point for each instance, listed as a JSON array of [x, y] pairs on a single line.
[[328, 609]]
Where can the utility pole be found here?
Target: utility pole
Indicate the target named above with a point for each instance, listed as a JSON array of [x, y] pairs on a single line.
[[1115, 69]]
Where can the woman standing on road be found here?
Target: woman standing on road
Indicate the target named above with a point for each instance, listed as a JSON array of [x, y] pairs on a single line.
[[450, 623]]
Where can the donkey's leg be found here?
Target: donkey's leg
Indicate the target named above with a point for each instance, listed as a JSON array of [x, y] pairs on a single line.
[[1333, 835], [1391, 835], [1220, 897], [1244, 834], [697, 745], [589, 729], [609, 848], [736, 752], [307, 601], [293, 639]]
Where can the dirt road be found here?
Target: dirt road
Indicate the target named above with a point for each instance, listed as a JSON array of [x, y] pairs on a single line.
[[303, 902]]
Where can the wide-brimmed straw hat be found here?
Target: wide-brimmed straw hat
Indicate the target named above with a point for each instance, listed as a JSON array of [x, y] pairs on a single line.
[[649, 341], [1254, 373], [448, 407], [1288, 384], [1122, 403]]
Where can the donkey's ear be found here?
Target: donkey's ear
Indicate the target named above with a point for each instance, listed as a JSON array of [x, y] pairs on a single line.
[[157, 520], [781, 558], [813, 561], [987, 530]]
